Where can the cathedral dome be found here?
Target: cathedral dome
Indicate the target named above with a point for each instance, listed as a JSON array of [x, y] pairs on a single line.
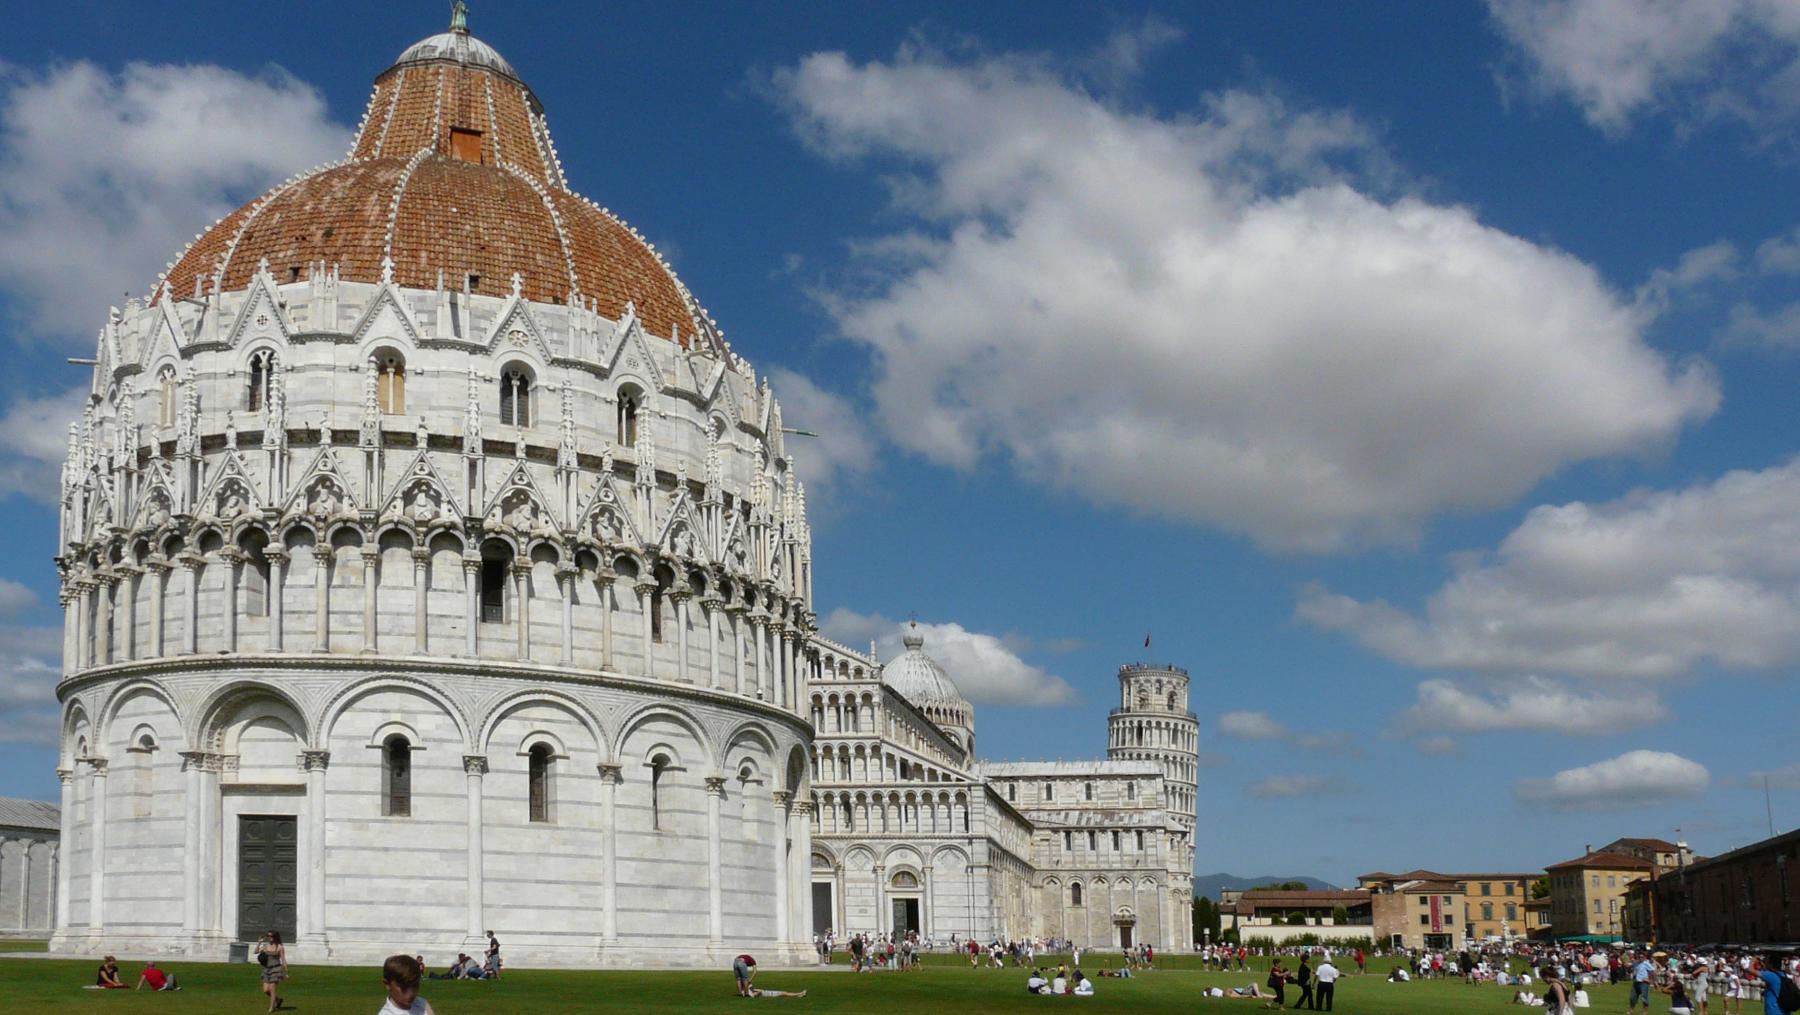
[[918, 678], [452, 180]]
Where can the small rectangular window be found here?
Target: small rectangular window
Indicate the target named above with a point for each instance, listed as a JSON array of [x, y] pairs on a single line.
[[1068, 842], [465, 144], [1115, 842], [1140, 841], [493, 591], [1093, 842]]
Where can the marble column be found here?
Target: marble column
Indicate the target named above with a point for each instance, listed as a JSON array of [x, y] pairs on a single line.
[[681, 636], [193, 764], [758, 641], [66, 834], [313, 763], [711, 605], [609, 867], [565, 584], [159, 590], [278, 571], [191, 565], [609, 602], [25, 884], [322, 558], [644, 589], [371, 582], [881, 903], [521, 570], [421, 558], [715, 877], [472, 601], [83, 603], [925, 907], [233, 561], [97, 851], [103, 611], [802, 865], [133, 581], [474, 767], [783, 800], [735, 612]]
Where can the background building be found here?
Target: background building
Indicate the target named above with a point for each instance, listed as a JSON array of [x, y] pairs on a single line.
[[29, 854], [913, 834], [1746, 896], [1587, 894], [1419, 909]]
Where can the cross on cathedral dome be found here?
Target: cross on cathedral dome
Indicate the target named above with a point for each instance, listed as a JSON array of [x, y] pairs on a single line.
[[454, 179]]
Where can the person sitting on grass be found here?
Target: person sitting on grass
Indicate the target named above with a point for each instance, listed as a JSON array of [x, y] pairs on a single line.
[[156, 978], [1060, 984], [1084, 987], [400, 975], [1036, 984], [108, 976]]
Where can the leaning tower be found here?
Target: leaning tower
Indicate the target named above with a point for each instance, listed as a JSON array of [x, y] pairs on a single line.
[[1152, 723]]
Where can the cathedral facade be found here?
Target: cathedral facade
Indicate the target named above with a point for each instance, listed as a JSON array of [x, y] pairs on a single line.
[[429, 559], [912, 833]]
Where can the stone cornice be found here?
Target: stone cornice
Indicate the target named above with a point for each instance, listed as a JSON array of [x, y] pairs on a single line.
[[236, 664]]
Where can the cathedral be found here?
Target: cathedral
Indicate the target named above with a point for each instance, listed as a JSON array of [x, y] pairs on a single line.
[[430, 560]]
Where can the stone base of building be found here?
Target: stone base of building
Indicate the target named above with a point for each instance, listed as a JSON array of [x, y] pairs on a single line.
[[440, 952]]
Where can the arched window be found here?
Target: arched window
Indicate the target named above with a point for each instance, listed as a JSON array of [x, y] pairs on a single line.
[[396, 777], [390, 383], [1012, 792], [1131, 791], [628, 418], [515, 397], [171, 397], [1088, 791], [262, 365], [1075, 894], [539, 764], [1171, 701], [658, 765], [1049, 791]]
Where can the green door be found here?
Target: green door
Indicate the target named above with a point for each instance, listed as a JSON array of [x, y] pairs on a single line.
[[268, 860]]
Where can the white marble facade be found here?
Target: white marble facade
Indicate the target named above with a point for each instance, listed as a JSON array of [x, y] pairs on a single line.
[[396, 612], [912, 833], [29, 854]]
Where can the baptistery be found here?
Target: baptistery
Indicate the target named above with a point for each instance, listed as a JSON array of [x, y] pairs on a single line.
[[431, 565]]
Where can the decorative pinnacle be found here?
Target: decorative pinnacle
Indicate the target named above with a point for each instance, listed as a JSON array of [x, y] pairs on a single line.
[[459, 17]]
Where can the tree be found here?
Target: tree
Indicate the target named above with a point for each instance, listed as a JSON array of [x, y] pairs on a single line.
[[1282, 886], [1206, 919], [1340, 915], [1296, 919], [1540, 888]]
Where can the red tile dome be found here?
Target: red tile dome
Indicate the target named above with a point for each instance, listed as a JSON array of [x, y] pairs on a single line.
[[453, 176]]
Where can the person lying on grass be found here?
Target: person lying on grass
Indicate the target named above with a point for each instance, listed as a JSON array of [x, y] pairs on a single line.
[[764, 992]]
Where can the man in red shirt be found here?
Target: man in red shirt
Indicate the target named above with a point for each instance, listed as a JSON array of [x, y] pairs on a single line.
[[156, 978]]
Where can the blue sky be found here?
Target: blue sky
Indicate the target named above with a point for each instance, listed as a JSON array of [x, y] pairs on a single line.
[[1418, 375]]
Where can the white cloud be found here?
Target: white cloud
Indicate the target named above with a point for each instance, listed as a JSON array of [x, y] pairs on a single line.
[[1529, 703], [1633, 779], [34, 440], [1251, 726], [1285, 787], [983, 668], [30, 667], [1205, 318], [1651, 585], [1699, 59], [15, 598], [1438, 745], [844, 449], [108, 174]]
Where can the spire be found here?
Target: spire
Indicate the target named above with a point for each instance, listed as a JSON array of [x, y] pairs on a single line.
[[459, 17]]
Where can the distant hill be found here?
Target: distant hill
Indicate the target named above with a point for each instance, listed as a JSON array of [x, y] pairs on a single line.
[[1210, 885]]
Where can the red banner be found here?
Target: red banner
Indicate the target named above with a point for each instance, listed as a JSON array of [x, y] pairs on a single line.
[[1437, 914]]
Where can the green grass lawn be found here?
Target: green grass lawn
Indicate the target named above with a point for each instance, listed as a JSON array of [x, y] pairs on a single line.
[[11, 944], [942, 988]]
